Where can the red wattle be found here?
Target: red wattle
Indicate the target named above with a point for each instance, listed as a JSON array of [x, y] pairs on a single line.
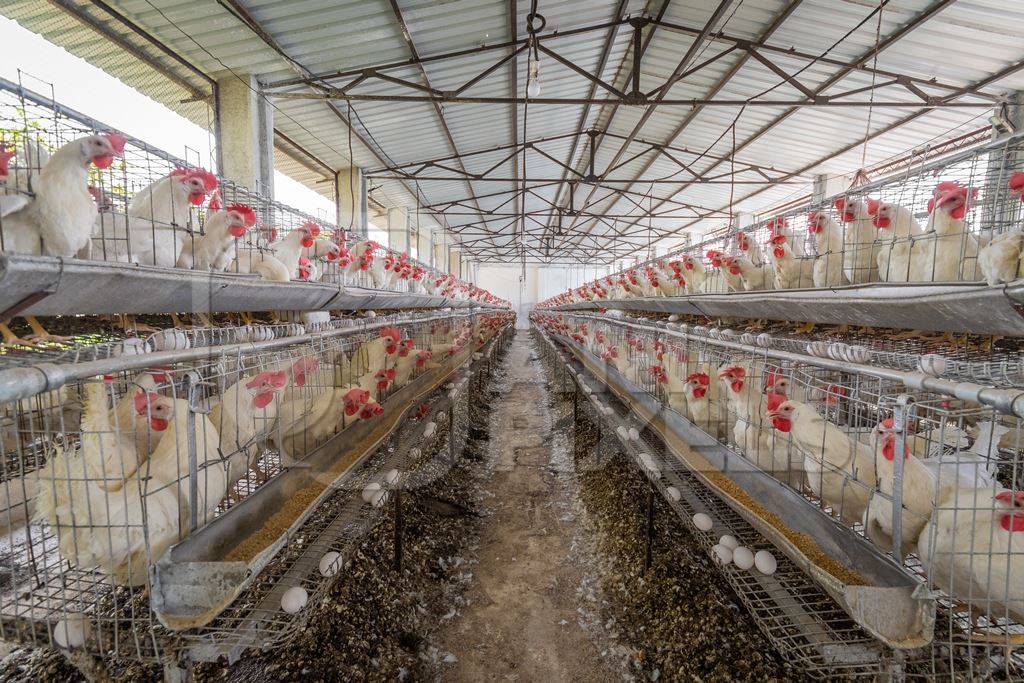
[[779, 252], [237, 231], [157, 424], [307, 242], [263, 400], [699, 393], [102, 160], [737, 385], [196, 198], [1012, 523], [783, 424]]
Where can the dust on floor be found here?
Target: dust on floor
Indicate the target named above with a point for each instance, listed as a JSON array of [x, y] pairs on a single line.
[[522, 622]]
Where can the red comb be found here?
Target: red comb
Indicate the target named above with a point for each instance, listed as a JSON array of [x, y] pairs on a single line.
[[873, 205], [248, 215], [312, 228], [776, 400], [214, 203], [1017, 184], [143, 400], [117, 141], [210, 182], [5, 158]]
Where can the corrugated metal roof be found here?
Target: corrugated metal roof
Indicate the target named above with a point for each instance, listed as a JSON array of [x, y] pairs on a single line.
[[965, 42]]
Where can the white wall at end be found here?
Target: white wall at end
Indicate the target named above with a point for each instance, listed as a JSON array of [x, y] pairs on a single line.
[[526, 288]]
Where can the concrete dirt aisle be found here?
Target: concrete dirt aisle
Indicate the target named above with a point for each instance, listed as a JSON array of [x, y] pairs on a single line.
[[522, 621]]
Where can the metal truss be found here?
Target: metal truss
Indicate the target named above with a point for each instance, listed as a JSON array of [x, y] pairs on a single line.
[[921, 92]]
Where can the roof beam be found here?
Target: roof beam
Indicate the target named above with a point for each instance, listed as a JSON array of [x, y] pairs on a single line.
[[887, 42], [407, 36]]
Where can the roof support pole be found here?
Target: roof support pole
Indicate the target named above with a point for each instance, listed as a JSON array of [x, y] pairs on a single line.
[[246, 127]]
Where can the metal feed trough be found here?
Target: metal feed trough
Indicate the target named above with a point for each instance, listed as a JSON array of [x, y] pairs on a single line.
[[807, 626], [857, 252], [946, 512], [109, 462]]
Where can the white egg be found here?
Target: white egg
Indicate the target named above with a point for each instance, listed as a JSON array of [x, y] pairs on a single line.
[[370, 490], [650, 464], [673, 318], [932, 364], [170, 339], [429, 430], [391, 476], [748, 338], [587, 390], [380, 498], [634, 435], [72, 631], [703, 521], [729, 542], [743, 558], [622, 432], [330, 563], [721, 555], [858, 354], [371, 314], [294, 599], [132, 346], [765, 562], [818, 348], [673, 493], [837, 351], [764, 340]]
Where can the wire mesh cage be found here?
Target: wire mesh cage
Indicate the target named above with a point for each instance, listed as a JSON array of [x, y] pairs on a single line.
[[104, 472], [933, 479], [957, 219], [74, 187]]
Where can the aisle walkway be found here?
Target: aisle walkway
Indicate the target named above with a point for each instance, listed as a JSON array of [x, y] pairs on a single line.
[[521, 623]]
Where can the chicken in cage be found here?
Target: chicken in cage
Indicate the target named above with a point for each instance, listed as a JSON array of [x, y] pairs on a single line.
[[954, 220], [936, 481], [69, 191], [104, 474]]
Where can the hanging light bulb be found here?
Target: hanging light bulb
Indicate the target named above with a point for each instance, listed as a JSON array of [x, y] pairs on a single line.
[[533, 79]]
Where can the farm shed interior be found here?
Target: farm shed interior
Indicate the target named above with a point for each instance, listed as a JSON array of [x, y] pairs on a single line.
[[539, 340]]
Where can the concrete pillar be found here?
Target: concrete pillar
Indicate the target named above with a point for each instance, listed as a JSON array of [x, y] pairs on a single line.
[[455, 262], [351, 208], [246, 134], [423, 245], [820, 188], [440, 259], [745, 218], [398, 229]]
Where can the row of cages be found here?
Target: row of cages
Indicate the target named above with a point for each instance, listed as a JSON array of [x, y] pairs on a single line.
[[73, 187], [959, 219], [125, 458], [933, 481], [808, 628]]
